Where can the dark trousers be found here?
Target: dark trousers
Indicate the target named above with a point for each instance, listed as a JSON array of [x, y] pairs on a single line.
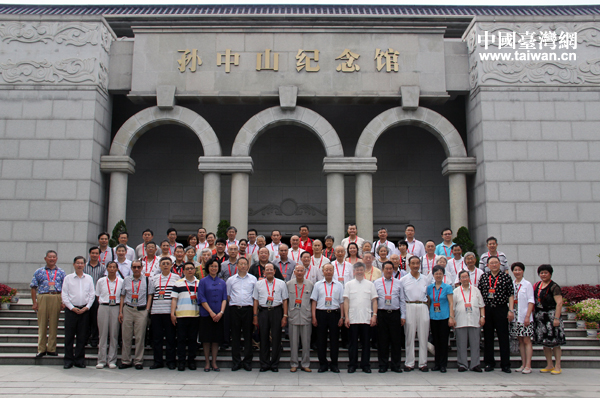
[[440, 331], [76, 325], [187, 337], [327, 325], [162, 329], [359, 331], [388, 325], [496, 320], [241, 326], [269, 323], [93, 324], [227, 325]]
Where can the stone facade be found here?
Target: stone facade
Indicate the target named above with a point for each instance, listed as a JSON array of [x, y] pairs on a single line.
[[188, 125]]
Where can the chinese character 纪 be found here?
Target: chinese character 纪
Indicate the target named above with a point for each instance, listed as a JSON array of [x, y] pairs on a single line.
[[190, 58], [391, 60], [486, 38], [566, 40], [349, 65], [228, 58], [506, 40], [527, 41], [303, 60], [548, 39], [267, 63]]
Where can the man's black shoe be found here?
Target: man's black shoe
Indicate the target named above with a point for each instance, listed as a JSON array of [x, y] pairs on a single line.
[[435, 368], [264, 369], [181, 366], [171, 365], [80, 365], [367, 370], [489, 368], [424, 369], [275, 369], [192, 365], [40, 355], [156, 365], [506, 370], [408, 369], [443, 369], [52, 354], [334, 368], [139, 366], [396, 370], [476, 369], [247, 367], [462, 369], [351, 369], [322, 369], [382, 370], [236, 367], [125, 365], [68, 365]]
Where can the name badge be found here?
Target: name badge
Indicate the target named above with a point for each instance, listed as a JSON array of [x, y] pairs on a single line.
[[341, 280], [112, 300], [539, 305], [52, 286], [328, 301], [161, 295], [193, 297], [468, 308], [388, 300], [270, 301], [134, 299], [516, 302], [298, 303], [147, 274], [437, 307], [491, 293]]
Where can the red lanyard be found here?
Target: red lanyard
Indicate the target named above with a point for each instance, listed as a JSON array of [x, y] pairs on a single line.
[[151, 265], [327, 255], [474, 283], [454, 263], [338, 271], [205, 246], [292, 253], [309, 268], [48, 275], [160, 282], [391, 287], [179, 273], [495, 282], [539, 291], [273, 291], [253, 249], [433, 260], [439, 294], [320, 262], [371, 276], [325, 287], [132, 287], [463, 294], [413, 249], [116, 284], [229, 266], [445, 251], [273, 247], [286, 267], [188, 287], [143, 250], [259, 275], [301, 293], [105, 254]]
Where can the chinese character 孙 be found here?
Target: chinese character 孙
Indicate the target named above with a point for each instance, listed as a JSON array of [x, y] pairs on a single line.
[[228, 58], [303, 60], [190, 58], [349, 65], [267, 63], [388, 58]]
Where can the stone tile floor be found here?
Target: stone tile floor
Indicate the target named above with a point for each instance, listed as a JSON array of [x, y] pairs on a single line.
[[56, 382]]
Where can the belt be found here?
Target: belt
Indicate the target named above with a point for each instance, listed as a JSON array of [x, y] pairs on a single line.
[[416, 302], [240, 307], [388, 311], [79, 306], [114, 305], [50, 293], [141, 308], [330, 311], [269, 308]]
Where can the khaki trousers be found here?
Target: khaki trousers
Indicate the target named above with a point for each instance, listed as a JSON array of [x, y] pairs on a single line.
[[300, 332], [108, 325], [47, 315], [134, 323]]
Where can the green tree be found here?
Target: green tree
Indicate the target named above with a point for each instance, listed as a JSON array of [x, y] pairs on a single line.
[[119, 227], [463, 238], [222, 229]]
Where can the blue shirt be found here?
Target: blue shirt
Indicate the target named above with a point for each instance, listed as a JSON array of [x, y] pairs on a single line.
[[212, 291], [443, 300], [439, 250], [40, 279]]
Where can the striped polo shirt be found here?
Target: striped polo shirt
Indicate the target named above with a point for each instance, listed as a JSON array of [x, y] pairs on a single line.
[[186, 307], [162, 283]]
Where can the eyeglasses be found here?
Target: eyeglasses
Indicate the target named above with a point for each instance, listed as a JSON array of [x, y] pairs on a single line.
[[136, 267]]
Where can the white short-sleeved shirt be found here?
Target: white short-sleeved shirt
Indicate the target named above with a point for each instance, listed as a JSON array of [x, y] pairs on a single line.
[[313, 273], [523, 293], [240, 290], [360, 295], [103, 293], [474, 276], [150, 268], [415, 289], [464, 319], [335, 290], [358, 240], [416, 248], [276, 289], [342, 272], [454, 266], [427, 264], [391, 248]]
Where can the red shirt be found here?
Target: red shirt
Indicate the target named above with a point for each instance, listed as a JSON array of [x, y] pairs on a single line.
[[307, 246]]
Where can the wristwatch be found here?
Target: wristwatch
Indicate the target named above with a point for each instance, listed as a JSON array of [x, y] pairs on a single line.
[[483, 316], [286, 315]]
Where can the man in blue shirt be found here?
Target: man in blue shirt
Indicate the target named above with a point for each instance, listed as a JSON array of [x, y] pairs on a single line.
[[445, 248]]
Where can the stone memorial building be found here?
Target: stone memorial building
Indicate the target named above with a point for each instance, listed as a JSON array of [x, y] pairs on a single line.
[[276, 116]]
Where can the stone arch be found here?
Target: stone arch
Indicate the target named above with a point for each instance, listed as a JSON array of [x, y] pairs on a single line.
[[148, 118], [430, 120], [276, 116]]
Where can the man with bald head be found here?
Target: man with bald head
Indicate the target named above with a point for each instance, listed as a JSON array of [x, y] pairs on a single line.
[[283, 263], [295, 250], [258, 268]]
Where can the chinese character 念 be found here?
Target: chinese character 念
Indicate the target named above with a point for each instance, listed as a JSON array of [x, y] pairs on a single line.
[[349, 65], [304, 60], [228, 58], [267, 63], [189, 57], [391, 59]]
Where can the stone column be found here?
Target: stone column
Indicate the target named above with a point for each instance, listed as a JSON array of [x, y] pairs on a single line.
[[457, 169], [335, 206], [119, 167], [213, 167], [364, 205]]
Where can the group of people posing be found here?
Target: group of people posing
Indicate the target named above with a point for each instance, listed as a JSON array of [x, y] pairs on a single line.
[[230, 291]]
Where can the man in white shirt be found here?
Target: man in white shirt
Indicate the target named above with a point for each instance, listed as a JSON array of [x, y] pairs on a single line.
[[342, 269], [202, 243], [140, 250], [470, 266], [231, 238], [417, 314], [150, 262], [415, 247], [123, 239], [353, 238], [318, 258], [383, 235], [252, 244], [398, 271], [360, 311], [295, 250], [274, 245], [457, 262], [106, 253], [122, 262], [429, 259], [78, 297], [172, 238]]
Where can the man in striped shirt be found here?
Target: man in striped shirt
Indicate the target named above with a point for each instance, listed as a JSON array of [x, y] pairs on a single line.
[[184, 315]]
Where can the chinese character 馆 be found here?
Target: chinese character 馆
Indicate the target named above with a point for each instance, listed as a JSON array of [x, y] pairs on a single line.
[[388, 58]]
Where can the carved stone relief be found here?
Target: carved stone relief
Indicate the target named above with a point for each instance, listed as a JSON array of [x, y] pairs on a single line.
[[287, 207]]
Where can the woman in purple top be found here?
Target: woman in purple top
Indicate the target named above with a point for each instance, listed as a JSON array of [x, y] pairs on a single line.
[[212, 298]]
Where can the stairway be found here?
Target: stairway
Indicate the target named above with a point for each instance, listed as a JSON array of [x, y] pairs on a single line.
[[18, 346]]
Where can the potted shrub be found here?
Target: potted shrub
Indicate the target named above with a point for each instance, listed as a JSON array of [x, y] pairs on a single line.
[[571, 313], [6, 295], [591, 330]]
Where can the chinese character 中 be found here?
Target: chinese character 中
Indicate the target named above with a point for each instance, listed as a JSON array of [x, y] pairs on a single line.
[[486, 38], [349, 65], [190, 58], [267, 63], [304, 60], [391, 59], [228, 58]]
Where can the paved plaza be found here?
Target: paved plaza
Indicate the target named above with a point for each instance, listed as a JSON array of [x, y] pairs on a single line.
[[55, 382]]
